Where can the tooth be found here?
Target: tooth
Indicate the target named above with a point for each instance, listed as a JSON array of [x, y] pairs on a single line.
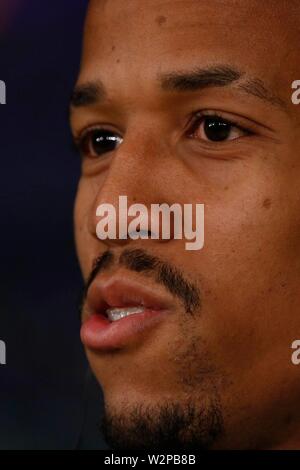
[[115, 314]]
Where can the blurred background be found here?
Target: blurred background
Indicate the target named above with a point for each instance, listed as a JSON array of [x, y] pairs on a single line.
[[48, 399]]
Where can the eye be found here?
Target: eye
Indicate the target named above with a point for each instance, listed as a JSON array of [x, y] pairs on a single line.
[[96, 142], [216, 129]]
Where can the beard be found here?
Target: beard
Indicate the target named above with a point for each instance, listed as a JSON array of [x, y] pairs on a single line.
[[173, 426], [192, 420]]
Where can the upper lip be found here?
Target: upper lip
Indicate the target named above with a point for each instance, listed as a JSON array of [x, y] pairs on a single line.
[[118, 291]]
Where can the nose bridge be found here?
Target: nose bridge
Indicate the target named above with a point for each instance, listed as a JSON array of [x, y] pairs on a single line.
[[132, 173], [132, 170]]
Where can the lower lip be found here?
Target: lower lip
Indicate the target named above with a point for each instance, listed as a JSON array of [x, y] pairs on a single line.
[[97, 332]]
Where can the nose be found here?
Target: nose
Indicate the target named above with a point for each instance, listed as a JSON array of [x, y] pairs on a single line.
[[121, 209]]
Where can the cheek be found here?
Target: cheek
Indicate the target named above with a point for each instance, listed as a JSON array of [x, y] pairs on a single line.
[[81, 211], [244, 216], [250, 265], [78, 214]]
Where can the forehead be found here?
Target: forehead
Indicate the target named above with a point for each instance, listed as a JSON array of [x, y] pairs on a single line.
[[139, 38]]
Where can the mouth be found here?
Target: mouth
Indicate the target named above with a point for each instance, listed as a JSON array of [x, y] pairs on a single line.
[[120, 312], [115, 314]]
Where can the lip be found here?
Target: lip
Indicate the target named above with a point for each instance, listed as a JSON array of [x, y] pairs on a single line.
[[98, 333]]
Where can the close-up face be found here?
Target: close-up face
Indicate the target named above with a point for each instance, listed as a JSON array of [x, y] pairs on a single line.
[[189, 102]]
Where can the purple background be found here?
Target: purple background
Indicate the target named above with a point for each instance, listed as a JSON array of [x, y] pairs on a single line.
[[45, 399]]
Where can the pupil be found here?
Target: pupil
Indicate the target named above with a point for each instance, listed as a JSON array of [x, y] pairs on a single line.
[[216, 130], [104, 142]]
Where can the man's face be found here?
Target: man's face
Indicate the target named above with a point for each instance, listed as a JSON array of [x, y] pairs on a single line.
[[196, 108]]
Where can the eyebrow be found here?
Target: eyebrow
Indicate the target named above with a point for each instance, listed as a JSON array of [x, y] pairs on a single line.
[[218, 76], [182, 81], [88, 94]]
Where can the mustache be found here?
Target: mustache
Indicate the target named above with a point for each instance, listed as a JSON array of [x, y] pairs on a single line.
[[163, 273]]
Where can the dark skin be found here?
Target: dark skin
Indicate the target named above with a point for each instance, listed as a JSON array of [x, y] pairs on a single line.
[[236, 349]]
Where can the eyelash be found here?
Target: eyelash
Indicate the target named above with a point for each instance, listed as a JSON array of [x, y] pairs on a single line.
[[79, 142], [195, 122], [199, 116]]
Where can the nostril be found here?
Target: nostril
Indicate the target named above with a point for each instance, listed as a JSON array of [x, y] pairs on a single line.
[[142, 233]]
